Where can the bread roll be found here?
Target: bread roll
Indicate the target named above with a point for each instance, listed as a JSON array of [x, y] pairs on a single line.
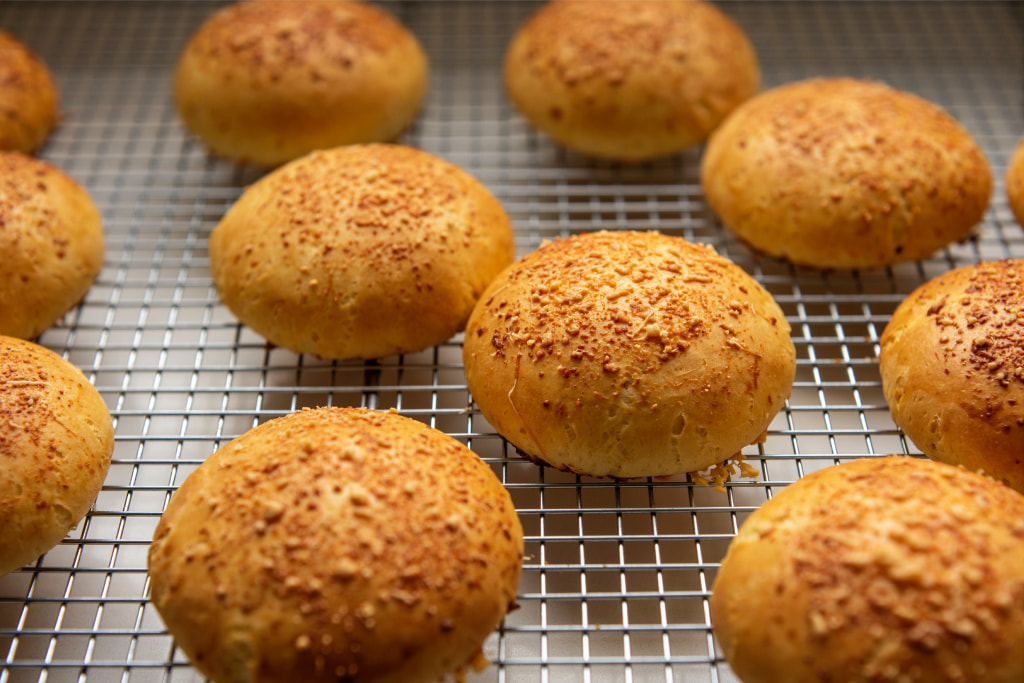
[[56, 439], [628, 354], [1015, 182], [266, 81], [28, 98], [842, 173], [952, 366], [51, 244], [336, 544], [360, 252], [879, 569], [629, 79]]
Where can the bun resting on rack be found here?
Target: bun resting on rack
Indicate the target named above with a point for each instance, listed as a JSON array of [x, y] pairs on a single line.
[[952, 367], [1015, 182], [265, 81], [628, 354], [56, 439], [843, 173], [879, 569], [51, 244], [28, 98], [337, 544], [360, 252], [629, 79]]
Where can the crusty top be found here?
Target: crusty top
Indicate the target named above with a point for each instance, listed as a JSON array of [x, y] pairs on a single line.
[[629, 79], [952, 364], [266, 81], [56, 438], [360, 251], [880, 569], [51, 244], [336, 544], [845, 173], [28, 97], [628, 354]]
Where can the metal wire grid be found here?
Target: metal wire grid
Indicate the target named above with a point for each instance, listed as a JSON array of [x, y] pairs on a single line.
[[617, 573]]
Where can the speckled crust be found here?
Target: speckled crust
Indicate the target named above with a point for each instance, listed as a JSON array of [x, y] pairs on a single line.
[[266, 81], [952, 366], [336, 544], [875, 571], [360, 252], [628, 354], [1015, 182], [28, 98], [842, 173], [51, 244], [629, 79], [56, 438]]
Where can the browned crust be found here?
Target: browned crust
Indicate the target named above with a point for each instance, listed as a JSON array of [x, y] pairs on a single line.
[[629, 79], [842, 173], [878, 570], [266, 81], [51, 244], [28, 97], [336, 544], [1015, 182], [628, 354], [952, 366], [360, 252], [56, 439]]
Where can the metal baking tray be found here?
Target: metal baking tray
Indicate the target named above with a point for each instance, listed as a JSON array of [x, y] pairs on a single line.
[[617, 574]]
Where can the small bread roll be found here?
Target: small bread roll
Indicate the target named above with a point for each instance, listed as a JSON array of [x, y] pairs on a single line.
[[51, 244], [360, 252], [952, 366], [879, 569], [629, 79], [628, 354], [266, 81], [28, 98], [1015, 182], [56, 439], [842, 173], [336, 544]]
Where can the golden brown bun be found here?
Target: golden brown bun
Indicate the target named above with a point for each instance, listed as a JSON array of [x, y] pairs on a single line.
[[360, 252], [1015, 182], [880, 570], [51, 244], [28, 97], [841, 173], [266, 81], [952, 366], [56, 439], [336, 544], [628, 354], [629, 79]]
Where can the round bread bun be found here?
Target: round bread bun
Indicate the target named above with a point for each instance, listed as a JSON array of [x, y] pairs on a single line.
[[629, 79], [843, 173], [360, 252], [28, 98], [952, 366], [880, 569], [56, 439], [265, 81], [1015, 182], [51, 244], [337, 544], [628, 354]]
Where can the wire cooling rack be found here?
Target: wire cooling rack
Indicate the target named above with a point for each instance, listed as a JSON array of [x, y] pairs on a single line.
[[618, 574]]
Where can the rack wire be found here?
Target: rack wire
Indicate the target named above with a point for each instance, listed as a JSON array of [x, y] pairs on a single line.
[[617, 574]]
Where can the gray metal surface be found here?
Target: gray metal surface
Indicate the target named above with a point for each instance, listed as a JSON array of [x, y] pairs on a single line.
[[618, 573]]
